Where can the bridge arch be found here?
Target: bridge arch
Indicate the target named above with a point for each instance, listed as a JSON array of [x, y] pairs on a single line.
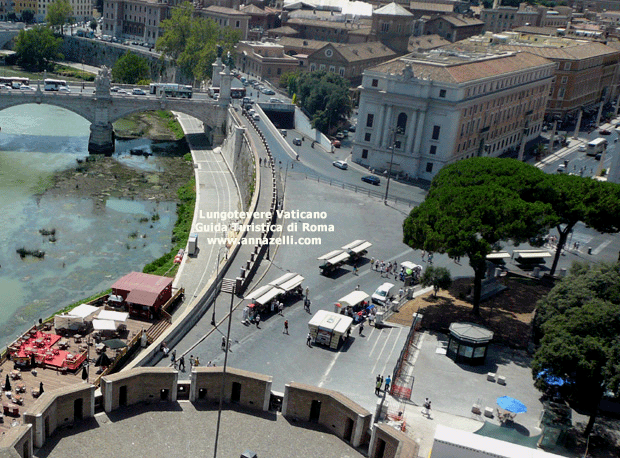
[[53, 101]]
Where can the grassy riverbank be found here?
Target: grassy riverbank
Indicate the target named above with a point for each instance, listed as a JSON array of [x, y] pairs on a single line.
[[157, 125]]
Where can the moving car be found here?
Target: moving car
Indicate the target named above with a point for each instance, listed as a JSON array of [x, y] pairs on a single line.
[[268, 91], [372, 179], [256, 117], [64, 89], [341, 164], [582, 148], [26, 88], [297, 141], [115, 89], [138, 91], [561, 168]]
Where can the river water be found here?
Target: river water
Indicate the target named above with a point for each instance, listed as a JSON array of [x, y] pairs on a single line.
[[94, 245]]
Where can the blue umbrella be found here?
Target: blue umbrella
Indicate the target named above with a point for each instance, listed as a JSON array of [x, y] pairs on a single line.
[[511, 404]]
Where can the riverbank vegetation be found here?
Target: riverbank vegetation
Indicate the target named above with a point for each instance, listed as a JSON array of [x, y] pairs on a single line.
[[180, 234], [157, 125]]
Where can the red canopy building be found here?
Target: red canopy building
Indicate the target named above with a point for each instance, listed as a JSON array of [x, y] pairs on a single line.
[[143, 294]]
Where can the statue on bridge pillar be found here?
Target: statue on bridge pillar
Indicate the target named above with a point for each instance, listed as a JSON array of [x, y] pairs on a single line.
[[102, 81]]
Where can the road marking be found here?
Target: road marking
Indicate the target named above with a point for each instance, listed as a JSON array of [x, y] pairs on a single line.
[[373, 347], [601, 247], [379, 356], [391, 352], [328, 370]]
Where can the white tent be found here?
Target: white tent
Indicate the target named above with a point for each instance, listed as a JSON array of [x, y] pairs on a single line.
[[104, 325], [67, 322], [112, 315], [83, 310]]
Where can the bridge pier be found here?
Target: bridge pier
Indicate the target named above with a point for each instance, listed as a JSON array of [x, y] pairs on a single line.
[[101, 139]]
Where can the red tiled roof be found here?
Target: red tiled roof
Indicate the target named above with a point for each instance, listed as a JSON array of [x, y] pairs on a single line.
[[143, 288]]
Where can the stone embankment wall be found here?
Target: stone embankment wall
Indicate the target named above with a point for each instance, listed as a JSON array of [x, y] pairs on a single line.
[[99, 53]]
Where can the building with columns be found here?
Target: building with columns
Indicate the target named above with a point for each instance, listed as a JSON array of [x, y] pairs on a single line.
[[425, 110]]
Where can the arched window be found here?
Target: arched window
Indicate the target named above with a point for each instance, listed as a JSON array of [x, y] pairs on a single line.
[[401, 123]]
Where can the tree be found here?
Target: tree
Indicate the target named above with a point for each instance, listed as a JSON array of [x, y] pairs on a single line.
[[191, 42], [37, 49], [475, 204], [575, 199], [324, 95], [130, 69], [437, 277], [28, 16], [579, 324], [58, 14], [93, 25]]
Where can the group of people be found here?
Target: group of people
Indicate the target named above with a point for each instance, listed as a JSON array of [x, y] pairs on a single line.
[[380, 382], [385, 268]]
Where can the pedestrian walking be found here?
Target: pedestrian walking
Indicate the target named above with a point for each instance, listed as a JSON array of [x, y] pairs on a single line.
[[197, 361], [223, 343], [357, 288], [430, 258], [286, 327], [309, 340], [361, 328], [191, 361], [423, 254], [388, 380], [379, 378], [372, 263], [182, 363], [257, 320], [173, 357], [427, 408], [378, 387], [355, 269], [260, 161], [280, 308]]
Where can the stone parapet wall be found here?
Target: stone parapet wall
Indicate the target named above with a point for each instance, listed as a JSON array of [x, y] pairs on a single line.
[[253, 390], [145, 384]]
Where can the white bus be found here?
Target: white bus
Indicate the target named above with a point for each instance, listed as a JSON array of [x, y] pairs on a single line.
[[171, 90], [596, 146], [54, 85]]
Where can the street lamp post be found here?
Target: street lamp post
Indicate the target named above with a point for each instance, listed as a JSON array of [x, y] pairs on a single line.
[[217, 272], [228, 286], [387, 186]]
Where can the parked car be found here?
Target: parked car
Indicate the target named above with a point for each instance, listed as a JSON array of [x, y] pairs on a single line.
[[604, 132], [352, 128], [582, 148], [297, 141], [115, 89], [283, 132], [598, 156], [372, 179], [341, 164], [138, 91], [561, 168], [340, 136], [336, 143], [256, 117], [383, 294]]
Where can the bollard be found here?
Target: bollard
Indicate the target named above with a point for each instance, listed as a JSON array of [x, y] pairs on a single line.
[[589, 250], [248, 263]]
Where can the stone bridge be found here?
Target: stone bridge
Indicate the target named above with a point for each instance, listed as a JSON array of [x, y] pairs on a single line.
[[103, 107]]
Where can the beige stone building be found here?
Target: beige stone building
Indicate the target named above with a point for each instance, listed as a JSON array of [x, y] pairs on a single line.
[[586, 72], [134, 19], [264, 60], [433, 108], [227, 17], [453, 27]]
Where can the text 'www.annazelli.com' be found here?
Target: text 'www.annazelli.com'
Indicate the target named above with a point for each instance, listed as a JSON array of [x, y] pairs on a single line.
[[284, 240]]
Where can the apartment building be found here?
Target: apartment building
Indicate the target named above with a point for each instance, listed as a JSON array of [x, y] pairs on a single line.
[[134, 19], [264, 60], [82, 9], [586, 72], [453, 27], [227, 17], [504, 18], [424, 110]]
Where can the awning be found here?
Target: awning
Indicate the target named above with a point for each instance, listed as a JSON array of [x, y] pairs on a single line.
[[269, 295], [498, 255], [532, 254], [410, 265], [115, 298], [353, 298], [339, 258], [112, 315], [292, 283], [283, 279], [82, 310], [104, 325], [329, 255], [358, 246], [258, 292]]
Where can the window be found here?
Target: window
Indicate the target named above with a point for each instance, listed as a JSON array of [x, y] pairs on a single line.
[[238, 24], [561, 93], [312, 67], [364, 154], [566, 65], [564, 79], [332, 69], [366, 137], [322, 67], [369, 120], [385, 27], [442, 93], [436, 132], [433, 149], [401, 123], [397, 144], [429, 167], [375, 83], [341, 71]]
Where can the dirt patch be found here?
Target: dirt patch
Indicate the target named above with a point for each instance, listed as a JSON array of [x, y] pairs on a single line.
[[509, 314], [147, 124], [101, 177]]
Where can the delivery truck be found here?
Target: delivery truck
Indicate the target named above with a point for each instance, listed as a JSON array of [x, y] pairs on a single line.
[[192, 245]]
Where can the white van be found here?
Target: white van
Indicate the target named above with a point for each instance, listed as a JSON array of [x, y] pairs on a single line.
[[383, 294]]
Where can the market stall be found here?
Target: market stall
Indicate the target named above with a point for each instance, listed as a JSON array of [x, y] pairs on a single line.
[[330, 329]]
